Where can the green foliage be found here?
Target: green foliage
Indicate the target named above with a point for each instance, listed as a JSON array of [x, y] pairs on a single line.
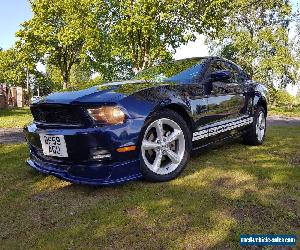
[[53, 73], [14, 67], [145, 31], [79, 75], [64, 33], [256, 37], [285, 110], [112, 37], [42, 84], [282, 103], [12, 70], [115, 38], [282, 97]]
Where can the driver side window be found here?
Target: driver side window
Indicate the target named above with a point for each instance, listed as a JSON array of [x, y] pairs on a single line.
[[214, 67], [217, 66], [235, 74]]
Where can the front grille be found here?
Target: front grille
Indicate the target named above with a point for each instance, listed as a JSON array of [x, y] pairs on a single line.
[[59, 115], [38, 152], [74, 157]]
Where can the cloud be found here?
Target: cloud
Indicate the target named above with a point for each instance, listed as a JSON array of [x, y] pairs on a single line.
[[192, 49]]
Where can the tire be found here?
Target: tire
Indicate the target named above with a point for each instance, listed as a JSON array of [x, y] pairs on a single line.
[[161, 157], [257, 132]]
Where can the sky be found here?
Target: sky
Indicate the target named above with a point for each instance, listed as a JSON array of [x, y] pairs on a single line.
[[14, 12]]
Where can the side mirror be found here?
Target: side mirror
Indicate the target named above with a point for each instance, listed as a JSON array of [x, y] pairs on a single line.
[[221, 75]]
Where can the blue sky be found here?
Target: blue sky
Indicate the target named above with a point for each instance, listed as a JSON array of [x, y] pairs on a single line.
[[12, 14]]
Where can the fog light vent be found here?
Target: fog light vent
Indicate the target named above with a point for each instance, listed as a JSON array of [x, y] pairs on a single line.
[[100, 154]]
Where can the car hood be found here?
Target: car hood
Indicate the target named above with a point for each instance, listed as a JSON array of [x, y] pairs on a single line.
[[105, 93]]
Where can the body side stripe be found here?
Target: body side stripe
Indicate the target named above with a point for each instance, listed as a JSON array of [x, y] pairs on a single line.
[[220, 127]]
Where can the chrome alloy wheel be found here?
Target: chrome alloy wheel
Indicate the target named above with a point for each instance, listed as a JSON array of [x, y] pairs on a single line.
[[260, 126], [163, 146]]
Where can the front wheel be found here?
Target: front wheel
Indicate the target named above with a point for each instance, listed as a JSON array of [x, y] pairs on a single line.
[[257, 131], [165, 146]]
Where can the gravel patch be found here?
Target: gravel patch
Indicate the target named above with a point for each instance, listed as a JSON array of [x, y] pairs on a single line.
[[11, 136], [283, 121]]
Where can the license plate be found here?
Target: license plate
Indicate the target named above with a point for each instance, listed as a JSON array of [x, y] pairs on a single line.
[[54, 145]]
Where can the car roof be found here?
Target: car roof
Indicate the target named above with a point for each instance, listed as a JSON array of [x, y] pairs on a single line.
[[210, 58], [206, 57]]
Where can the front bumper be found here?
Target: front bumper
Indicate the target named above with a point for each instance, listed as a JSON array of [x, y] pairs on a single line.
[[115, 178], [79, 167]]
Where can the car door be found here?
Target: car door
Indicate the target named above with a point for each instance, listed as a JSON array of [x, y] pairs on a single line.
[[225, 100]]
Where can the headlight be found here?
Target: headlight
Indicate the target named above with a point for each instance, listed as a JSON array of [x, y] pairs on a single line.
[[107, 114]]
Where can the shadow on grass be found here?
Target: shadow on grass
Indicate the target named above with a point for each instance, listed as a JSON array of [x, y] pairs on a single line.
[[222, 193]]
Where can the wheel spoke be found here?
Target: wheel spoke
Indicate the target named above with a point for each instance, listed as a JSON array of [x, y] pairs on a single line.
[[156, 149], [263, 124], [260, 119], [159, 129], [174, 136], [149, 145], [262, 133], [259, 132], [173, 156], [157, 161]]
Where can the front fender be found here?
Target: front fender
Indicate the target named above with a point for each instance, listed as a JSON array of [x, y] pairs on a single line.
[[261, 97]]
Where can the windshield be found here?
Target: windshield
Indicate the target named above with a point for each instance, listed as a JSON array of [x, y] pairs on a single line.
[[185, 70]]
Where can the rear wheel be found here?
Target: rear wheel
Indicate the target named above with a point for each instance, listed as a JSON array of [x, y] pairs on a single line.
[[257, 131], [165, 146]]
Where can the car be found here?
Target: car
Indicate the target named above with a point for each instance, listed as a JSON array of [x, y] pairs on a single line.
[[146, 127]]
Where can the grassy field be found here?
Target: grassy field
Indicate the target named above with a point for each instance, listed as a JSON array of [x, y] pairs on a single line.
[[225, 192], [285, 111], [15, 118]]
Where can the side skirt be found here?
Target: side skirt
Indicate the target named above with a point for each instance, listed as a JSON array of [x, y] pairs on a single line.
[[216, 143]]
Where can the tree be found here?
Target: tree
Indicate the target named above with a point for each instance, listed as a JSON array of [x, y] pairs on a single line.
[[147, 31], [80, 74], [64, 33], [296, 38], [42, 84], [12, 68], [256, 36], [113, 36]]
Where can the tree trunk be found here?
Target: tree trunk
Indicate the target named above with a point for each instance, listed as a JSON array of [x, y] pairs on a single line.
[[65, 85], [66, 79]]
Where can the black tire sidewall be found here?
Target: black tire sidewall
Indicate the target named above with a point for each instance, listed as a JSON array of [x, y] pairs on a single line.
[[251, 137], [261, 109], [172, 115]]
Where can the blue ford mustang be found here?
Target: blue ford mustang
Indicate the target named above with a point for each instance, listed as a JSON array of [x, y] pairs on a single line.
[[148, 126]]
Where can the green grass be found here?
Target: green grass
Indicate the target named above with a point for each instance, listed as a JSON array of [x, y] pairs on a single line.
[[285, 111], [15, 118], [225, 192]]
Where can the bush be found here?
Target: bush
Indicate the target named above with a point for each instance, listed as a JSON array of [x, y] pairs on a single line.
[[282, 98]]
